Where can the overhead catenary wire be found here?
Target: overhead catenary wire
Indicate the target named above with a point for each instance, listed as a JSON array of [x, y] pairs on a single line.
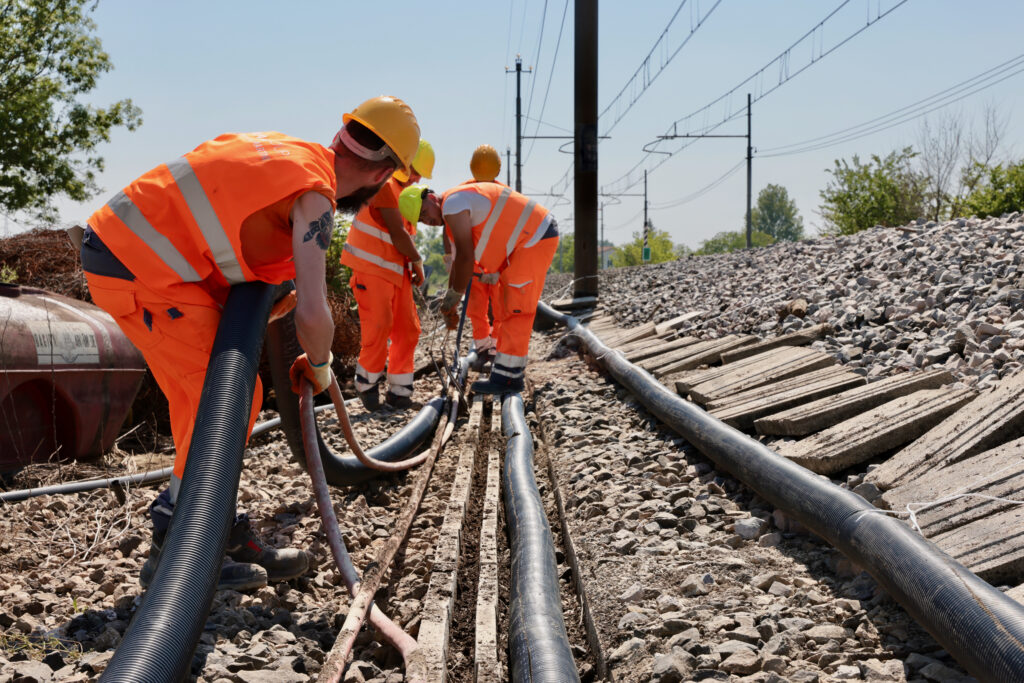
[[756, 85], [644, 70]]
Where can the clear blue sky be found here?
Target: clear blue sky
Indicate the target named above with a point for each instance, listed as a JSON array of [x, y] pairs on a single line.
[[198, 69]]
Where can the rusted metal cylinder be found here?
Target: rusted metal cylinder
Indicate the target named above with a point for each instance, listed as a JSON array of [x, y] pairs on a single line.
[[68, 377]]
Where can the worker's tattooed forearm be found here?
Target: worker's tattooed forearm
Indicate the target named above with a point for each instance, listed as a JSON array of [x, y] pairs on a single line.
[[320, 230]]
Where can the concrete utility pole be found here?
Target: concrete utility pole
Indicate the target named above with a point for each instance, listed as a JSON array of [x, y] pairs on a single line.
[[585, 152], [508, 167], [750, 163], [519, 119]]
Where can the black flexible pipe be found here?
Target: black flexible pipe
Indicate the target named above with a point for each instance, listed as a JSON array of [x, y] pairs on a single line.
[[159, 643], [977, 624], [282, 348], [537, 641]]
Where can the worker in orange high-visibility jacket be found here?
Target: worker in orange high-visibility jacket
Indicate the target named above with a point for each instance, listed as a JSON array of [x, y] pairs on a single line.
[[503, 232], [162, 255], [485, 165], [385, 267]]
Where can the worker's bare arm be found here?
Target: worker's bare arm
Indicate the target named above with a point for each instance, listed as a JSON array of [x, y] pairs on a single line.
[[462, 237], [312, 225]]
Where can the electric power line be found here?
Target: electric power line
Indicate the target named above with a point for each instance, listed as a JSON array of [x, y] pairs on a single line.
[[702, 191], [551, 77], [536, 60], [943, 98]]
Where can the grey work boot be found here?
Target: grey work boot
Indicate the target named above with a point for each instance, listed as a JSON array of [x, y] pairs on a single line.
[[236, 576], [245, 546], [498, 384]]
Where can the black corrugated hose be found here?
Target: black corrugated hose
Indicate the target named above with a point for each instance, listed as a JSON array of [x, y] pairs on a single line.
[[282, 348], [159, 643], [537, 641], [976, 623]]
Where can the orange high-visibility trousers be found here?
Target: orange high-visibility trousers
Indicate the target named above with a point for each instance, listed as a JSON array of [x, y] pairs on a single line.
[[386, 314], [520, 287], [477, 310], [174, 330]]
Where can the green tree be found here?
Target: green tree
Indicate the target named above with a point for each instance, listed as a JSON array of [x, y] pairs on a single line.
[[431, 247], [338, 275], [733, 241], [631, 254], [49, 57], [885, 192], [1000, 191], [565, 257], [776, 215]]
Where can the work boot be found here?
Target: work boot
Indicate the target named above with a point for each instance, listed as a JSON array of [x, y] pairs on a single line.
[[370, 398], [235, 576], [397, 401], [245, 546], [498, 384]]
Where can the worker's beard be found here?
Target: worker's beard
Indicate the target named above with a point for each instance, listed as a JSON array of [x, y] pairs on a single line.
[[351, 204]]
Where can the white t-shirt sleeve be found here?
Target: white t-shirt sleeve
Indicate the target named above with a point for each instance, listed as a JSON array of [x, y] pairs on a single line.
[[457, 202]]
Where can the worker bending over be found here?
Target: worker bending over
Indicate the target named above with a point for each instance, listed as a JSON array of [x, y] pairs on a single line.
[[385, 267], [499, 231], [162, 255], [485, 166]]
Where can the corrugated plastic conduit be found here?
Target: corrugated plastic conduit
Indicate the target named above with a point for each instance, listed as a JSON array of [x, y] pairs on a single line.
[[982, 628], [537, 641]]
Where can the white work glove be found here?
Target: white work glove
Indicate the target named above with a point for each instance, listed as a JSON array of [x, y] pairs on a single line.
[[489, 278]]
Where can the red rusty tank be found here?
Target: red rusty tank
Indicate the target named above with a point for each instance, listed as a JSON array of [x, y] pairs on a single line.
[[68, 377]]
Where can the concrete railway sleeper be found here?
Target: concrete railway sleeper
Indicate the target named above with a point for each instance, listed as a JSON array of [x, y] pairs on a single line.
[[976, 623]]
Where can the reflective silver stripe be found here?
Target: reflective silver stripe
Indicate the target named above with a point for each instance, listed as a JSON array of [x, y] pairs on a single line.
[[485, 236], [519, 285], [539, 233], [510, 361], [520, 224], [371, 377], [207, 220], [125, 209], [372, 231], [374, 259]]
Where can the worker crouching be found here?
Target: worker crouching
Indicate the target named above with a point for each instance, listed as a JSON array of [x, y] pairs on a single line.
[[500, 231]]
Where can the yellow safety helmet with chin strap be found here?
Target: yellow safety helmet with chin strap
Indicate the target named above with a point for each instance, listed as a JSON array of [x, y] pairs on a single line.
[[392, 121], [485, 164], [422, 164], [410, 202]]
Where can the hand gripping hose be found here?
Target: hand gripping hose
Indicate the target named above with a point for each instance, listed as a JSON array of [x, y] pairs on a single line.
[[282, 349], [537, 641], [402, 641], [159, 643], [980, 626]]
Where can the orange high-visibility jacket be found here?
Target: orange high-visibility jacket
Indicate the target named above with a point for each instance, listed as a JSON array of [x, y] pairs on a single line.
[[182, 221], [369, 248], [513, 220]]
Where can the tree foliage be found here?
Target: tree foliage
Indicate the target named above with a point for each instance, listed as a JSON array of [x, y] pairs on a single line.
[[776, 215], [431, 247], [49, 58], [887, 191], [662, 249], [1000, 191], [733, 241]]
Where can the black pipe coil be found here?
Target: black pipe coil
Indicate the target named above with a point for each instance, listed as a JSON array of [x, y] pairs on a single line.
[[976, 623], [160, 641], [282, 349], [537, 641]]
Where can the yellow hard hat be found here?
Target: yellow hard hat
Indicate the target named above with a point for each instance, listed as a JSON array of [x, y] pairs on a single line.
[[392, 121], [485, 164], [410, 202], [422, 164]]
